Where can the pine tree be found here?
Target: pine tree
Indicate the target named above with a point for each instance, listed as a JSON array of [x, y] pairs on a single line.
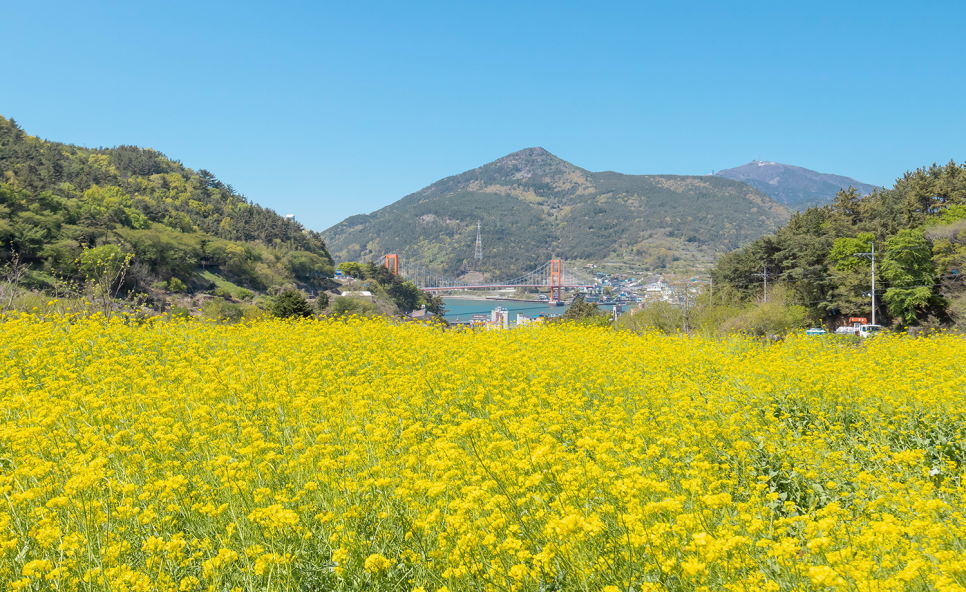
[[291, 304]]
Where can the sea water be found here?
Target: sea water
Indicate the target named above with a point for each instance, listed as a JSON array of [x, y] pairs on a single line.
[[463, 309]]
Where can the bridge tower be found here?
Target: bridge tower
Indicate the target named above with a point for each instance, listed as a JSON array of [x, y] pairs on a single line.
[[556, 279], [392, 263]]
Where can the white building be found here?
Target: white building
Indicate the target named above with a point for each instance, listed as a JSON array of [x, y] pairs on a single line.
[[500, 317]]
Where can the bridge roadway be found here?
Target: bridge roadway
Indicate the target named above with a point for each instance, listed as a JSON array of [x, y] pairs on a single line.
[[508, 286], [550, 275]]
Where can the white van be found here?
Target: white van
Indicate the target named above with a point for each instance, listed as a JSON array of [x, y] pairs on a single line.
[[869, 330]]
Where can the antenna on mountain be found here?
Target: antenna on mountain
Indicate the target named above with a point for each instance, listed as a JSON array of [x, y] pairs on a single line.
[[479, 243]]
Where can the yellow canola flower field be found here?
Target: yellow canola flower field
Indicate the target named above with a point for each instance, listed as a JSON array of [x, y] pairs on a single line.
[[366, 455]]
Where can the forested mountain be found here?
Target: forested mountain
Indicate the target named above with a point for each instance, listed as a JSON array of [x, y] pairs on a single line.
[[918, 228], [533, 205], [58, 199], [794, 186]]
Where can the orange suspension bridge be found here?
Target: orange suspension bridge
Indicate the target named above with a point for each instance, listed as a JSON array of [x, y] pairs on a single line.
[[552, 275]]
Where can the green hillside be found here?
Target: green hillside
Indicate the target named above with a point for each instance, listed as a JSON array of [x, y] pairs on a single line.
[[533, 205], [56, 200]]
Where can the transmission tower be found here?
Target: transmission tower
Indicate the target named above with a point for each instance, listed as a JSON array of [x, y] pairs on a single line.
[[479, 243]]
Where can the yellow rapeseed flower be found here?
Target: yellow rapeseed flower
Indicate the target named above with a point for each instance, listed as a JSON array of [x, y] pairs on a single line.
[[343, 454]]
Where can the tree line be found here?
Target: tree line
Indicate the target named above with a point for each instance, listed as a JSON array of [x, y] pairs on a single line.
[[823, 257]]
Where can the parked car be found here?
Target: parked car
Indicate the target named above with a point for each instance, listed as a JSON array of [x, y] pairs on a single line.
[[816, 331], [846, 331]]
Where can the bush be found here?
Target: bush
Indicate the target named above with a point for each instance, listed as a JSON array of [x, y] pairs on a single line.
[[291, 304], [223, 293], [244, 294], [219, 310], [321, 302], [662, 316], [253, 313], [587, 313], [766, 319], [275, 290], [345, 306], [180, 312], [177, 286]]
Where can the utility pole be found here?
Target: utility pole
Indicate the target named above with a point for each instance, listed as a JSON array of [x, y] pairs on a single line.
[[764, 275], [872, 257]]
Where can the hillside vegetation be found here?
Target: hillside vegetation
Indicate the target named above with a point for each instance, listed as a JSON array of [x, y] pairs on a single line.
[[65, 207], [918, 229], [533, 205]]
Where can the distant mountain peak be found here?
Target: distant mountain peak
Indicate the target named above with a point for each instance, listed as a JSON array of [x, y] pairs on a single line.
[[792, 185], [536, 151], [526, 163], [514, 168]]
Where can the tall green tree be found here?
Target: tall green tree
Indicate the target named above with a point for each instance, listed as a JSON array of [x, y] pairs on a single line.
[[434, 303], [351, 269], [909, 273]]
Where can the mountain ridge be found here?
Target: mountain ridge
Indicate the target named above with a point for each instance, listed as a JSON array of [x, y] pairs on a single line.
[[536, 202], [793, 185]]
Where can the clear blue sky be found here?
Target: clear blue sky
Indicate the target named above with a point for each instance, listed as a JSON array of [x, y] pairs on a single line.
[[325, 109]]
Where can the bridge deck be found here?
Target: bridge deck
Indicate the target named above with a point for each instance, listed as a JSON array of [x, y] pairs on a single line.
[[509, 286]]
